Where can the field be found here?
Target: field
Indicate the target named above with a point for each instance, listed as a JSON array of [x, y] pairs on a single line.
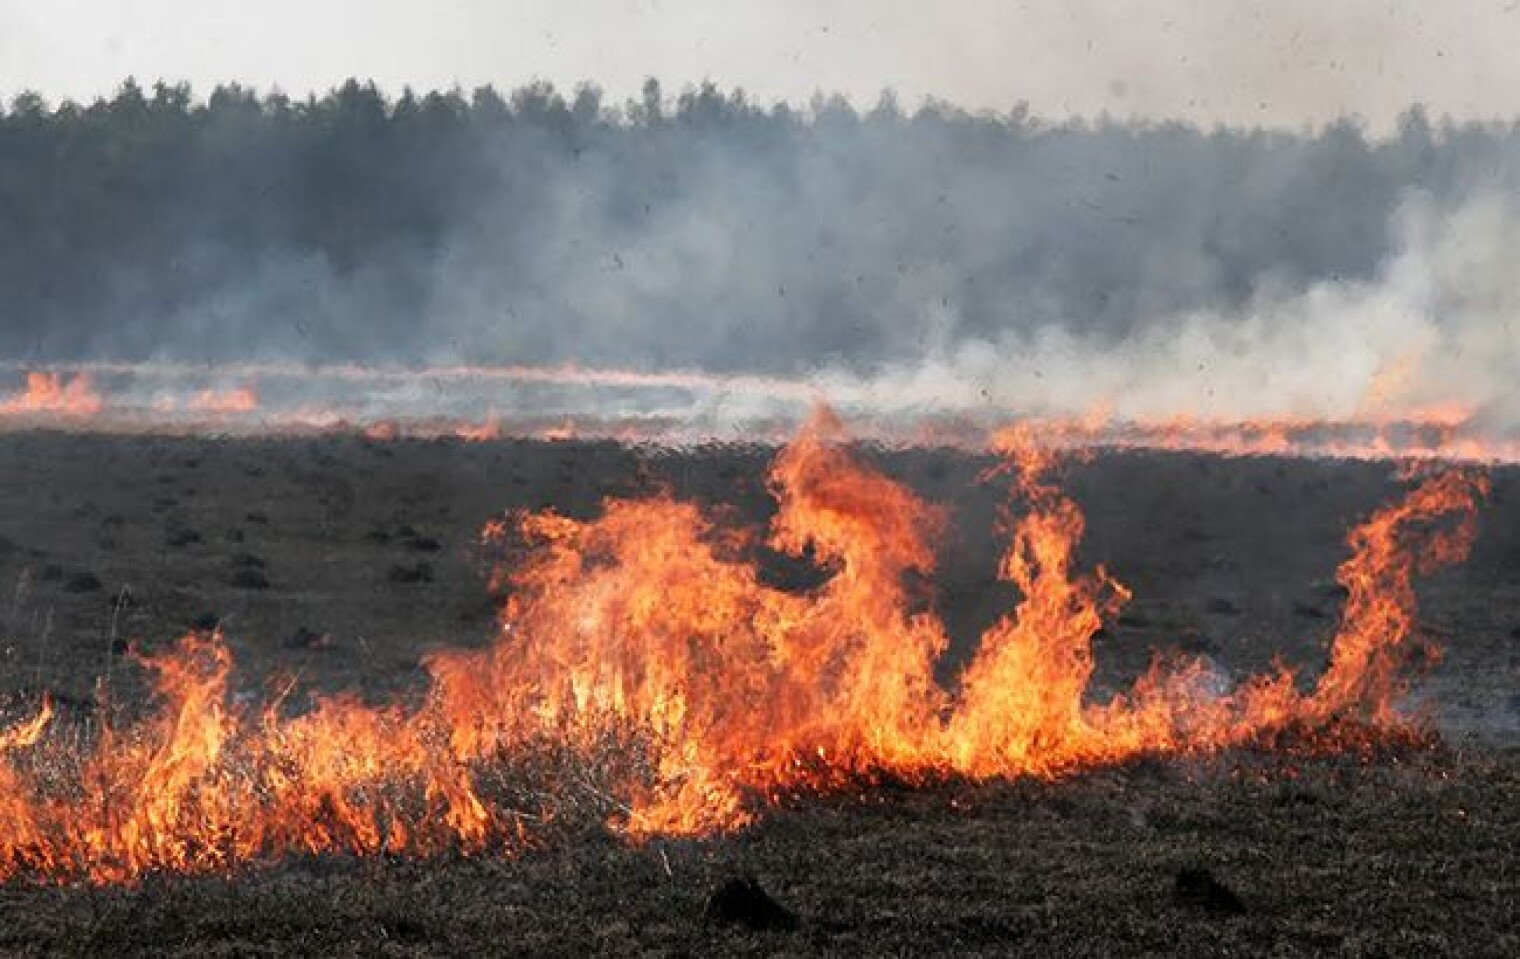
[[333, 563]]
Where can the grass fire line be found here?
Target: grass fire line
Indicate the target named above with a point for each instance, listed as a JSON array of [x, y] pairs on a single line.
[[644, 646], [475, 403]]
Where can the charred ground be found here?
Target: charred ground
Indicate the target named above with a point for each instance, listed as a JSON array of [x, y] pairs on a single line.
[[337, 561]]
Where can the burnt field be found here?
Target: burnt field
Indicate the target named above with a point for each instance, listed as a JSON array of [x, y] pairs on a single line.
[[336, 563]]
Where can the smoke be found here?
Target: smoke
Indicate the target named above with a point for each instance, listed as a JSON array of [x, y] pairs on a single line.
[[932, 261], [1434, 327], [901, 267]]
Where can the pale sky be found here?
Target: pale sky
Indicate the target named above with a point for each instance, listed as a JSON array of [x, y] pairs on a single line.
[[1273, 62]]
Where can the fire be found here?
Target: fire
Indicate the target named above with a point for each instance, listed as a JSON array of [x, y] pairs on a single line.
[[677, 407], [482, 432], [1020, 708], [654, 628], [382, 431], [234, 401], [54, 393], [1434, 432], [564, 431], [1379, 617], [240, 400]]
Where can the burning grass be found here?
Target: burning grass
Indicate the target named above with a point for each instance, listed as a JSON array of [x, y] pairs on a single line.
[[54, 394], [1407, 853], [387, 406], [649, 628]]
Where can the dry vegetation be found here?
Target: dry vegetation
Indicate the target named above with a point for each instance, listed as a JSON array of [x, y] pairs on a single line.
[[334, 563]]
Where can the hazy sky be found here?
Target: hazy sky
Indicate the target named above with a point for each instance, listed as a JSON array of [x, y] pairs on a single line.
[[1279, 62]]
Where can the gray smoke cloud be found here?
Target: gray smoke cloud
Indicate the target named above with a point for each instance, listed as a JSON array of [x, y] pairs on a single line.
[[928, 261], [1435, 325]]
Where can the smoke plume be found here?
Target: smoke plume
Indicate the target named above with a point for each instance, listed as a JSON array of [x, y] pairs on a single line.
[[927, 260]]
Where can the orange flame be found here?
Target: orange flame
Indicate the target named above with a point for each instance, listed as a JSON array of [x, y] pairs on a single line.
[[1020, 708], [240, 400], [482, 432], [54, 393], [654, 621], [1380, 611]]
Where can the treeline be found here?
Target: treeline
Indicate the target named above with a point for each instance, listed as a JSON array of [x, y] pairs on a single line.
[[701, 229]]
